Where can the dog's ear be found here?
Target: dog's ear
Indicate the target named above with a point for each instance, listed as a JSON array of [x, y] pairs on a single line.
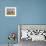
[[8, 38]]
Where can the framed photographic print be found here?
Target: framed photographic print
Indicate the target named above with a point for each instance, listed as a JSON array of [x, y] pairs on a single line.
[[33, 32], [10, 11]]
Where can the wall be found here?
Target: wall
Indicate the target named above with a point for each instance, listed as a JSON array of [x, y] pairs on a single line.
[[28, 12]]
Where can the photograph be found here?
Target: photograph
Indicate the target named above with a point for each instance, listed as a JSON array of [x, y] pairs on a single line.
[[30, 33], [10, 11]]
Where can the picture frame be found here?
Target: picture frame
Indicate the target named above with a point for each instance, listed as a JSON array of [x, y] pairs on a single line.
[[36, 32], [10, 11]]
